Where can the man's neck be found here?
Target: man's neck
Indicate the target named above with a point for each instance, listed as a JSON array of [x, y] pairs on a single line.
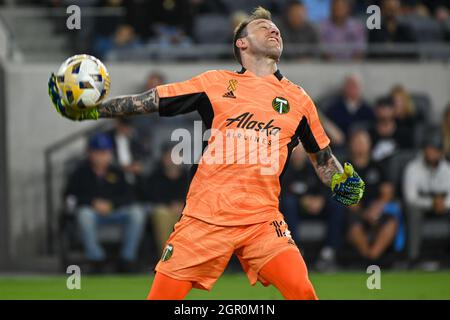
[[261, 66]]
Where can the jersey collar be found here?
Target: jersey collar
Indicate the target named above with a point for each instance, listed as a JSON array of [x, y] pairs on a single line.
[[277, 73]]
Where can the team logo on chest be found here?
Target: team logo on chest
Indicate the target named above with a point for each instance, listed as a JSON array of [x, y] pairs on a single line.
[[280, 105], [232, 86]]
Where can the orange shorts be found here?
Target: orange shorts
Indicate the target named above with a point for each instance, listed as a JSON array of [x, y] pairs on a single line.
[[199, 252]]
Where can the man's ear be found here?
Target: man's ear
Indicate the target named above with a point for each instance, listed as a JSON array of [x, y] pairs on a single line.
[[241, 43]]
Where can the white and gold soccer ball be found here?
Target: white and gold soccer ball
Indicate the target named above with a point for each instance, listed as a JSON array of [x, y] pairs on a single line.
[[83, 81]]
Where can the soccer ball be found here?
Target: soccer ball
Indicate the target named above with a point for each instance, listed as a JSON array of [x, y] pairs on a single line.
[[83, 81]]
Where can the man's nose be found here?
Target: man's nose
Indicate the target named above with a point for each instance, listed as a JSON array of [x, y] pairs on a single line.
[[275, 31]]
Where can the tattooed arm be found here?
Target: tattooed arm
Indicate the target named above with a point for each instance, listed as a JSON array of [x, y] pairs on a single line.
[[143, 103], [326, 165]]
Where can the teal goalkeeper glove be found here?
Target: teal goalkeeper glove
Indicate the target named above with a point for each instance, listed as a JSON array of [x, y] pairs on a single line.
[[347, 187], [64, 110]]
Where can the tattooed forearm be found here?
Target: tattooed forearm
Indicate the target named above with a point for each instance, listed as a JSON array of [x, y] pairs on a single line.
[[326, 165], [146, 102]]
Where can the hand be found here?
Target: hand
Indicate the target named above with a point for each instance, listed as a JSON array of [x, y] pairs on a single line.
[[439, 204], [135, 168], [67, 111], [373, 213], [102, 206], [347, 187]]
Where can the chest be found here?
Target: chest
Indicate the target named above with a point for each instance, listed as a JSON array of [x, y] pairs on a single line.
[[255, 105]]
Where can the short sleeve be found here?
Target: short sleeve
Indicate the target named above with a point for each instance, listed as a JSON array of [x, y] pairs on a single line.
[[181, 97], [311, 133]]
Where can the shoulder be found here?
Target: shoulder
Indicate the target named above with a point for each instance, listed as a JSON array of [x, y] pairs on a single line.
[[293, 87], [415, 164], [298, 92], [216, 74]]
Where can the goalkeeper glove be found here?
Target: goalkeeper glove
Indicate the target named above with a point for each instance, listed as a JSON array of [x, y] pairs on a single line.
[[67, 111], [347, 187]]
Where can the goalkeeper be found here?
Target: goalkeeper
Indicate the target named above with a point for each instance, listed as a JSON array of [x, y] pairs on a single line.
[[233, 208]]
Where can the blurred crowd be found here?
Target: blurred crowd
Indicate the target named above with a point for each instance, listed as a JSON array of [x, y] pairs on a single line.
[[327, 29], [392, 142]]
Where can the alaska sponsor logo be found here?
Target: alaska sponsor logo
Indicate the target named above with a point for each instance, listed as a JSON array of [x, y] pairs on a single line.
[[280, 105], [245, 121]]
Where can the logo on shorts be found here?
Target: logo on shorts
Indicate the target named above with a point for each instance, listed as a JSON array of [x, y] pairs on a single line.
[[280, 105], [168, 251]]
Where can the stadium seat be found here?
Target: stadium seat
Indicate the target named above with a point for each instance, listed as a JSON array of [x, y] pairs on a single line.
[[249, 5], [425, 29], [212, 28], [424, 110], [396, 168], [423, 105]]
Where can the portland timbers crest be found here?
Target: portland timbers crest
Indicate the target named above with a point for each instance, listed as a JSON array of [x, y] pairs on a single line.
[[280, 105], [168, 251]]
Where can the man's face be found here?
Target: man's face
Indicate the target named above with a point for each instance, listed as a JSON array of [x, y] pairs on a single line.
[[263, 39], [360, 144], [432, 155], [153, 81], [352, 88], [390, 8], [384, 113], [100, 158], [296, 16], [340, 9]]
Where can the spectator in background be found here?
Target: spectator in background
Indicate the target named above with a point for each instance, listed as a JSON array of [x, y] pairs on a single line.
[[296, 29], [426, 187], [446, 132], [318, 10], [106, 25], [435, 5], [374, 222], [346, 35], [128, 149], [209, 6], [392, 30], [138, 15], [387, 137], [124, 38], [350, 108], [414, 8], [335, 134], [102, 196], [166, 190], [405, 111], [442, 16], [172, 22], [304, 198], [145, 124]]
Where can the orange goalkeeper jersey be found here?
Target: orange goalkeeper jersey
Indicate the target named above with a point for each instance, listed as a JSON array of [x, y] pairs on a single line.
[[255, 122]]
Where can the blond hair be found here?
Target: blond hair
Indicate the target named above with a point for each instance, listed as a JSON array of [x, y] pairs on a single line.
[[408, 108], [240, 32]]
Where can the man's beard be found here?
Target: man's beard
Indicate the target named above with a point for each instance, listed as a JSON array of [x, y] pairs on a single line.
[[268, 52], [432, 163], [274, 55]]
